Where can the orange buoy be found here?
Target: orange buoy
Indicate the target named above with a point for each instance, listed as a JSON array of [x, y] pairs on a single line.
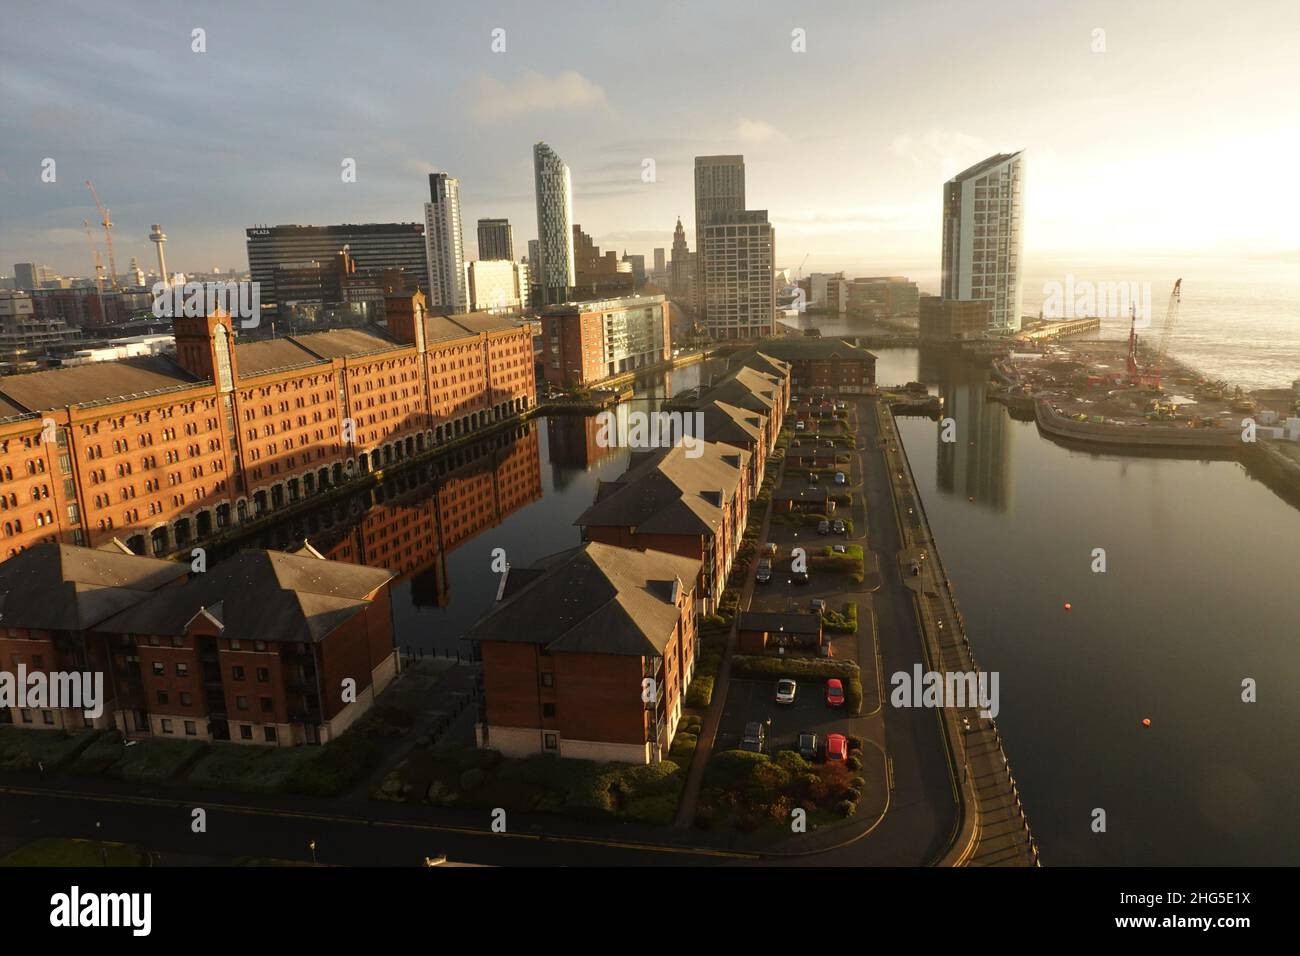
[[1146, 721], [1067, 606]]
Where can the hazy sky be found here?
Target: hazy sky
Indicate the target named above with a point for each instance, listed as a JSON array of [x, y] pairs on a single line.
[[1181, 139]]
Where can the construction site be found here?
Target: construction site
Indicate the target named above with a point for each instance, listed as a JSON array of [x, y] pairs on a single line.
[[1128, 392]]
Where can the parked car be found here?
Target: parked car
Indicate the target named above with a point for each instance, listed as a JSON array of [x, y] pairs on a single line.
[[841, 478], [834, 692], [839, 549], [823, 527], [808, 745], [817, 605], [840, 527], [837, 747], [786, 691], [769, 549], [799, 577], [826, 650], [812, 477], [755, 737], [800, 426], [842, 406], [764, 573]]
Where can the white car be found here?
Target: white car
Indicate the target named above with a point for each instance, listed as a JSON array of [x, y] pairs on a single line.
[[786, 689], [840, 478]]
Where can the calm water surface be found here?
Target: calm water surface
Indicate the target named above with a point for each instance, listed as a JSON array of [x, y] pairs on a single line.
[[1200, 593]]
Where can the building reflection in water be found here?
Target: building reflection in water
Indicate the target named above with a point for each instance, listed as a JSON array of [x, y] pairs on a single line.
[[977, 466], [413, 520], [573, 449]]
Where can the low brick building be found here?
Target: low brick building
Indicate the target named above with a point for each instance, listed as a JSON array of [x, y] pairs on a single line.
[[759, 631], [819, 362], [264, 648], [669, 501], [52, 598], [588, 654]]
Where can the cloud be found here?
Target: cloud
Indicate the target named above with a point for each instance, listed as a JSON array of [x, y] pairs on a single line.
[[532, 92], [950, 150], [756, 131]]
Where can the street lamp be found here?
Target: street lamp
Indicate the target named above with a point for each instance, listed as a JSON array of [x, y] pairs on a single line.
[[312, 846]]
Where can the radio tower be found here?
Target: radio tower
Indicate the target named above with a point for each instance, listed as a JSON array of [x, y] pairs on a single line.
[[158, 237]]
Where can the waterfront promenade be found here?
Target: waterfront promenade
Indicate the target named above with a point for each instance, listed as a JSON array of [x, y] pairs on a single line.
[[993, 829]]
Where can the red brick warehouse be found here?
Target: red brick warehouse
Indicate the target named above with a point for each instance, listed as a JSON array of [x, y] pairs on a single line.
[[161, 451]]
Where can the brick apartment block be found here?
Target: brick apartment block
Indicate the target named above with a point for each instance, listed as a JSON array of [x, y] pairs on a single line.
[[588, 654]]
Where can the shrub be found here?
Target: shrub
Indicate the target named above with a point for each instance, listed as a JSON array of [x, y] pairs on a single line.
[[853, 793], [846, 808], [855, 743], [791, 762], [854, 763], [700, 693], [858, 783], [471, 779]]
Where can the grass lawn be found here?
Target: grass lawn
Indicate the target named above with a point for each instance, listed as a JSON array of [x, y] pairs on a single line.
[[153, 760], [52, 851], [324, 771], [27, 749], [400, 704], [483, 778]]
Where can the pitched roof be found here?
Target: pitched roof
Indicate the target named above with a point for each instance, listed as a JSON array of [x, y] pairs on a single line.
[[730, 423], [96, 382], [61, 587], [263, 595], [344, 343], [595, 599], [476, 322], [669, 492], [794, 347], [254, 358]]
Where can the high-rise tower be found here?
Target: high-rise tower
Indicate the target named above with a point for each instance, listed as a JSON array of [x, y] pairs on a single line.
[[982, 237], [444, 246], [555, 271]]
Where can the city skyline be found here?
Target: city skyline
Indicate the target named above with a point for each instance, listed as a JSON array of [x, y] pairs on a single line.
[[1113, 160]]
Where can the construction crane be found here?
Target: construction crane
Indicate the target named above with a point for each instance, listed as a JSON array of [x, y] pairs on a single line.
[[799, 275], [99, 269], [1150, 376], [1167, 330], [107, 223]]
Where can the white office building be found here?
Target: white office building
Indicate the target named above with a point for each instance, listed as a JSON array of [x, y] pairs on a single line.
[[497, 285], [982, 235], [444, 245]]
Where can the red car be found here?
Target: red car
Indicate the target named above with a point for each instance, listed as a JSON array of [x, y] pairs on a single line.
[[837, 747], [834, 693]]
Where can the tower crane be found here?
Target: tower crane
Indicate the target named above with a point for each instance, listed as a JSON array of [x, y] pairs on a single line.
[[799, 275], [107, 223], [99, 269]]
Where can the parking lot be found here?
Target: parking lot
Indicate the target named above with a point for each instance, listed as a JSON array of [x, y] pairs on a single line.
[[756, 700]]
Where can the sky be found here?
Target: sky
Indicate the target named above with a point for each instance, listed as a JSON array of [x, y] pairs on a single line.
[[1152, 132]]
